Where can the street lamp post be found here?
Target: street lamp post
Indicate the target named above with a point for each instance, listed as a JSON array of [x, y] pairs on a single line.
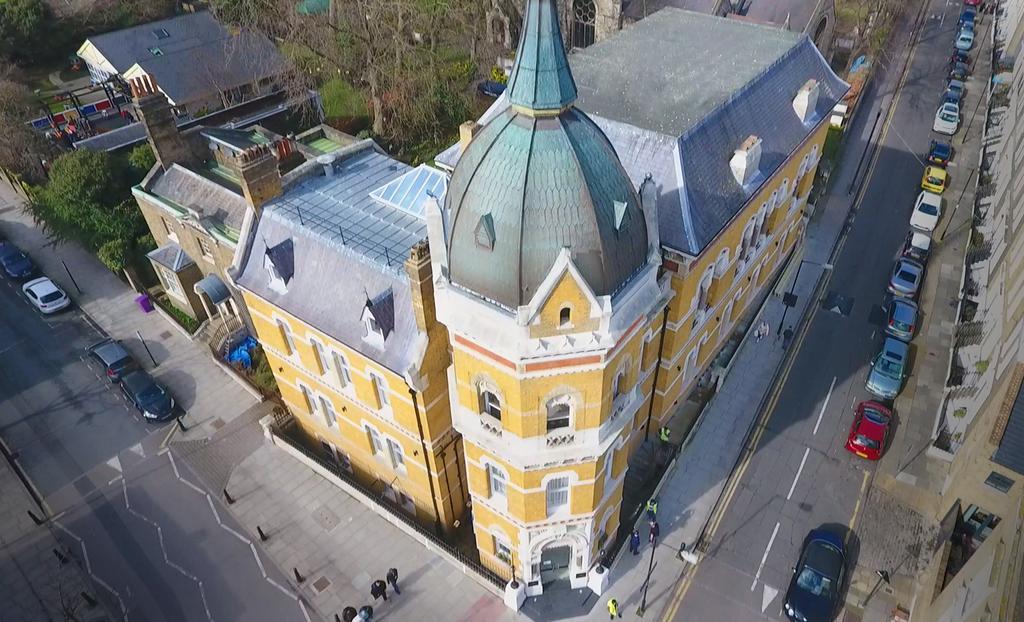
[[647, 581]]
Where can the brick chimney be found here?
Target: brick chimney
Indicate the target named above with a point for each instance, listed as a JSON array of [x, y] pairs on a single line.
[[417, 266], [154, 111], [467, 132], [259, 175]]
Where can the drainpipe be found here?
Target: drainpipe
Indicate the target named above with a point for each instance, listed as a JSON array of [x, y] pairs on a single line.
[[657, 368], [430, 478]]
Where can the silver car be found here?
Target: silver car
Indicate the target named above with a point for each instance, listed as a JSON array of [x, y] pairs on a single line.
[[888, 369], [906, 278]]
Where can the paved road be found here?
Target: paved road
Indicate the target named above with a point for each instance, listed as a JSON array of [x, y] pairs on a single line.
[[800, 477], [140, 523]]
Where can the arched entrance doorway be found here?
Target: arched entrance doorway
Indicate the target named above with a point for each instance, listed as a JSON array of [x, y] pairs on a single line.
[[555, 560]]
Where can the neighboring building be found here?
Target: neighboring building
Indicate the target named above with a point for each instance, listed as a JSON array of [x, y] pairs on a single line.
[[198, 64], [197, 197], [338, 285], [975, 570], [601, 237]]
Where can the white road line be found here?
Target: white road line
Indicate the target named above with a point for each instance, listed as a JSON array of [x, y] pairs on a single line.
[[88, 569], [800, 470], [764, 557], [828, 396]]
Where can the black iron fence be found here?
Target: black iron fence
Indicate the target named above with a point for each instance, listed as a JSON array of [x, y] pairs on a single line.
[[378, 497]]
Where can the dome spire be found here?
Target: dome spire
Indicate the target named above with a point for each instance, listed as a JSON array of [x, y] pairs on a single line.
[[541, 79]]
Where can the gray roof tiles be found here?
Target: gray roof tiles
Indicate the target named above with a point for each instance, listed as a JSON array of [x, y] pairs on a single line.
[[199, 194], [338, 236], [171, 256]]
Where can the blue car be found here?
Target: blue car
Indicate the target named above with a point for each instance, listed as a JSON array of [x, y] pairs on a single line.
[[888, 369], [815, 591], [965, 40], [15, 263]]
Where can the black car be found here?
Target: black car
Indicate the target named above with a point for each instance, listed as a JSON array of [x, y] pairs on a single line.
[[113, 358], [15, 263], [815, 591], [959, 72], [939, 153], [150, 398], [959, 56]]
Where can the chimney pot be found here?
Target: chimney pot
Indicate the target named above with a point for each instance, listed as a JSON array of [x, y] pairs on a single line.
[[467, 132]]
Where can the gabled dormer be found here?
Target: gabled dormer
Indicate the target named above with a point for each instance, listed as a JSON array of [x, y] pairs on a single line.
[[378, 318], [279, 262]]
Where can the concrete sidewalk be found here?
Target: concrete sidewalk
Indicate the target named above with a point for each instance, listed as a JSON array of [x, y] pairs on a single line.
[[209, 396], [35, 585]]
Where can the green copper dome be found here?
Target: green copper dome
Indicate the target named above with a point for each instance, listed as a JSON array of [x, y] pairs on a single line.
[[528, 186]]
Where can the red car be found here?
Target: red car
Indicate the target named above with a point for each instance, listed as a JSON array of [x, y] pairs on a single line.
[[972, 2], [869, 433]]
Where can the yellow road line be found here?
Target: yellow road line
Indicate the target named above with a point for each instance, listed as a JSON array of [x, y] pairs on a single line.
[[856, 508], [719, 513]]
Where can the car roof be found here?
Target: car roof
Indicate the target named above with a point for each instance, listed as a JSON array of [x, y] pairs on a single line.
[[930, 198], [110, 351], [137, 380], [920, 240], [939, 146], [6, 248], [42, 286], [913, 266], [904, 306]]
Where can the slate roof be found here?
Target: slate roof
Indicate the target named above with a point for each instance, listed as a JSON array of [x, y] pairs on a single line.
[[678, 93], [171, 256], [635, 10], [198, 56], [337, 230], [1010, 452], [798, 12], [192, 191]]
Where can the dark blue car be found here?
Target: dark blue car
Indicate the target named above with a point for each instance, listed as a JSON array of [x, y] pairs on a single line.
[[815, 591], [15, 263]]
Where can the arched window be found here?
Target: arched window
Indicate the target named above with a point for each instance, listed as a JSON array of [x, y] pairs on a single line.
[[703, 289], [558, 414], [557, 493], [584, 23], [620, 379], [820, 30], [564, 317], [490, 404]]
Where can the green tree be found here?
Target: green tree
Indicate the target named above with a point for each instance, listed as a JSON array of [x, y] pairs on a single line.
[[141, 158], [22, 27]]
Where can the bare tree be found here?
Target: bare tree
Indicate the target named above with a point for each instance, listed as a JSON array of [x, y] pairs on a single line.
[[23, 149]]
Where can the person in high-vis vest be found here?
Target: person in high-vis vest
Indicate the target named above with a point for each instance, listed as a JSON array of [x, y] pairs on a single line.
[[664, 434], [613, 609], [652, 508]]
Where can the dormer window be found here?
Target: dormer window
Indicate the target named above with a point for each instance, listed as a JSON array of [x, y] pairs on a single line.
[[484, 232], [279, 262], [378, 318], [565, 317], [372, 327]]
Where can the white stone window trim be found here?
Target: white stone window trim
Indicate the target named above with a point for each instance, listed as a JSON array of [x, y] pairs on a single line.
[[498, 536], [498, 500], [342, 372], [381, 389], [560, 399], [376, 440], [319, 353], [285, 329], [564, 510]]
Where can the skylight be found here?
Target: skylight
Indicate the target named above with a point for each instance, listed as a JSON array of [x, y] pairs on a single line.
[[410, 191]]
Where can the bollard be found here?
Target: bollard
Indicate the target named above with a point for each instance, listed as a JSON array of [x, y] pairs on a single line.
[[263, 537], [89, 600], [298, 577], [60, 557], [35, 519], [227, 497]]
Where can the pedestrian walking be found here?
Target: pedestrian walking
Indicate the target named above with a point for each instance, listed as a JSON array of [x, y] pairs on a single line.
[[379, 589], [348, 614], [652, 508], [613, 609], [393, 579], [655, 532], [366, 613], [634, 542], [787, 335]]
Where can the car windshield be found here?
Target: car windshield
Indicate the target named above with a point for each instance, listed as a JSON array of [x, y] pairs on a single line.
[[814, 582], [932, 179], [907, 276], [927, 208], [863, 441], [52, 297], [948, 115], [13, 258], [151, 393], [875, 417], [888, 367]]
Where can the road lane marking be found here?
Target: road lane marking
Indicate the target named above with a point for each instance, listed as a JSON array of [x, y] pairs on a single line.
[[828, 396], [856, 508], [800, 470], [768, 596], [764, 557]]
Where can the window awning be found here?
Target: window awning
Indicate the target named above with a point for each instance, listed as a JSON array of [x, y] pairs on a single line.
[[214, 288]]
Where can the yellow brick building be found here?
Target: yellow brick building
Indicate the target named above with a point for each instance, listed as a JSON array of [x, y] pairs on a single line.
[[609, 222], [337, 282]]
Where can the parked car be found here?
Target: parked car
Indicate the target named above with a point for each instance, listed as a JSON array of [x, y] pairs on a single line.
[[959, 56], [888, 369], [968, 15], [901, 319], [917, 246], [927, 211], [947, 119], [151, 399], [115, 360], [965, 40], [45, 295], [934, 179], [16, 264], [955, 88], [939, 153], [972, 3], [906, 278], [967, 22], [490, 88], [959, 71], [816, 587], [869, 433]]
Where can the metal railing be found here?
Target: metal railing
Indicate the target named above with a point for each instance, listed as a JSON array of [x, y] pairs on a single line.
[[394, 511]]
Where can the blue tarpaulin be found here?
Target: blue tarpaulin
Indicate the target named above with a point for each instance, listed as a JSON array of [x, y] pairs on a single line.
[[240, 353]]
